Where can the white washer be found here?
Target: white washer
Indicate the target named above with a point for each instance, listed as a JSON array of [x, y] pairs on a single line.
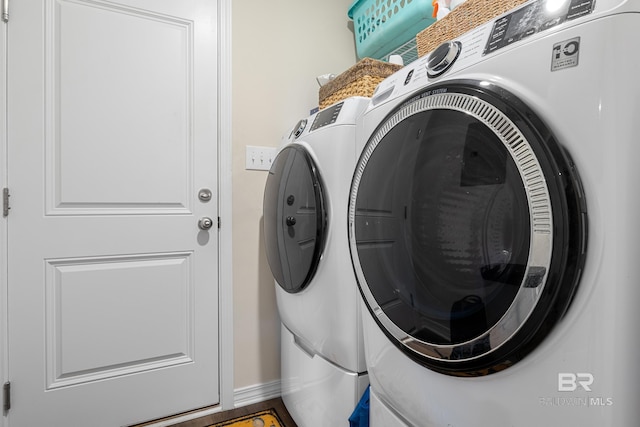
[[493, 225], [305, 226]]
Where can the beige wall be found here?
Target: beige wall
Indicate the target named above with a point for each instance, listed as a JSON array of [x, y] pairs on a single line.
[[278, 48]]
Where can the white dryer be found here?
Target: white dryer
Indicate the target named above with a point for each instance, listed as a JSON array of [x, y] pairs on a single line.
[[305, 229], [490, 298]]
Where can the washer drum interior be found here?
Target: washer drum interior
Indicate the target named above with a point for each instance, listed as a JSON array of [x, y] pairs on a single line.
[[467, 228]]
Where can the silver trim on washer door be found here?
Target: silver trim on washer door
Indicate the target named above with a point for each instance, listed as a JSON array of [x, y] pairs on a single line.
[[541, 222]]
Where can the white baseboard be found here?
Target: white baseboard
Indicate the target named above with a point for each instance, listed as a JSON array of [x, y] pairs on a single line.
[[241, 397], [256, 393]]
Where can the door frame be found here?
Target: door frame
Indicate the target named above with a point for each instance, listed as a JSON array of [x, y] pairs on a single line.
[[3, 223], [225, 260], [225, 277]]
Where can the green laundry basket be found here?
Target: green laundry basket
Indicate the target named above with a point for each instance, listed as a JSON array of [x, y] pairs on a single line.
[[381, 26]]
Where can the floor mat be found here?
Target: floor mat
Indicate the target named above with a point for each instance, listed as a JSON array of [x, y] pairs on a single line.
[[268, 418]]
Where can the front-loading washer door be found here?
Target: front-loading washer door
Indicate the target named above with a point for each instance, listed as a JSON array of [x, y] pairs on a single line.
[[467, 228], [294, 218]]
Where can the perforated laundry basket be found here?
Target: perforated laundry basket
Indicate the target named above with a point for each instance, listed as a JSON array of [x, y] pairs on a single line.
[[380, 26]]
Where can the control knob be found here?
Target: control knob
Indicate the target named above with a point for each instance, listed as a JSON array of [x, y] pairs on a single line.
[[299, 128], [442, 58]]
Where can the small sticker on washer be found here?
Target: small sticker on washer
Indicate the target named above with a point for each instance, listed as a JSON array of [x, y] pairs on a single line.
[[565, 54]]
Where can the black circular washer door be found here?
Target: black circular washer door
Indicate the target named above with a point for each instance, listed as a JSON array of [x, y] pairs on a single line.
[[467, 228], [294, 218]]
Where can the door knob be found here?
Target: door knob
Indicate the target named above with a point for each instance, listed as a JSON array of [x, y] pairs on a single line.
[[204, 195], [205, 223]]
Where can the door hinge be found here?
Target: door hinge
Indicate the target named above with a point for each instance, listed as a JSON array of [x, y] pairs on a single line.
[[5, 10], [5, 202], [6, 397], [218, 223]]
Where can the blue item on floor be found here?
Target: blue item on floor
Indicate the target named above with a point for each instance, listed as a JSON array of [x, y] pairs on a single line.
[[360, 415]]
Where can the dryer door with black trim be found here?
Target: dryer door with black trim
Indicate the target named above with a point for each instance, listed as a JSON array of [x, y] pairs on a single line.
[[467, 228], [294, 218]]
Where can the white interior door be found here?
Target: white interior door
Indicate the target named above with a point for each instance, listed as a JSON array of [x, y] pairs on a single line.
[[112, 287]]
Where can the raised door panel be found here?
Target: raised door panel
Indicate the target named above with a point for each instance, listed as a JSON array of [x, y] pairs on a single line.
[[116, 316], [116, 103]]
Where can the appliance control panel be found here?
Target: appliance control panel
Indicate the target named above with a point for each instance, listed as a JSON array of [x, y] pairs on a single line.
[[327, 116], [529, 19], [534, 18]]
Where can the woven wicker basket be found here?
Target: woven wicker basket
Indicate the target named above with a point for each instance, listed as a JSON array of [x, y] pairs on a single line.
[[466, 17], [359, 80]]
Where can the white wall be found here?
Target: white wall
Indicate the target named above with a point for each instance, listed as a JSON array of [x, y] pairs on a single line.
[[278, 48]]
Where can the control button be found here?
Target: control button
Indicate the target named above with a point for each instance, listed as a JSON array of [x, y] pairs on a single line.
[[408, 78], [443, 57]]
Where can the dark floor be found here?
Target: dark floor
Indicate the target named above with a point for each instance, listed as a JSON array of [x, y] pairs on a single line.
[[207, 420]]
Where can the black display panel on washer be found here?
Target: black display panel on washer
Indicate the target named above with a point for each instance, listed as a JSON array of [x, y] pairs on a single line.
[[294, 218], [327, 116], [533, 18]]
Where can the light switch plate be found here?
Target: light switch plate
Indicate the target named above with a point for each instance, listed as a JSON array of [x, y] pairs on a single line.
[[259, 158]]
